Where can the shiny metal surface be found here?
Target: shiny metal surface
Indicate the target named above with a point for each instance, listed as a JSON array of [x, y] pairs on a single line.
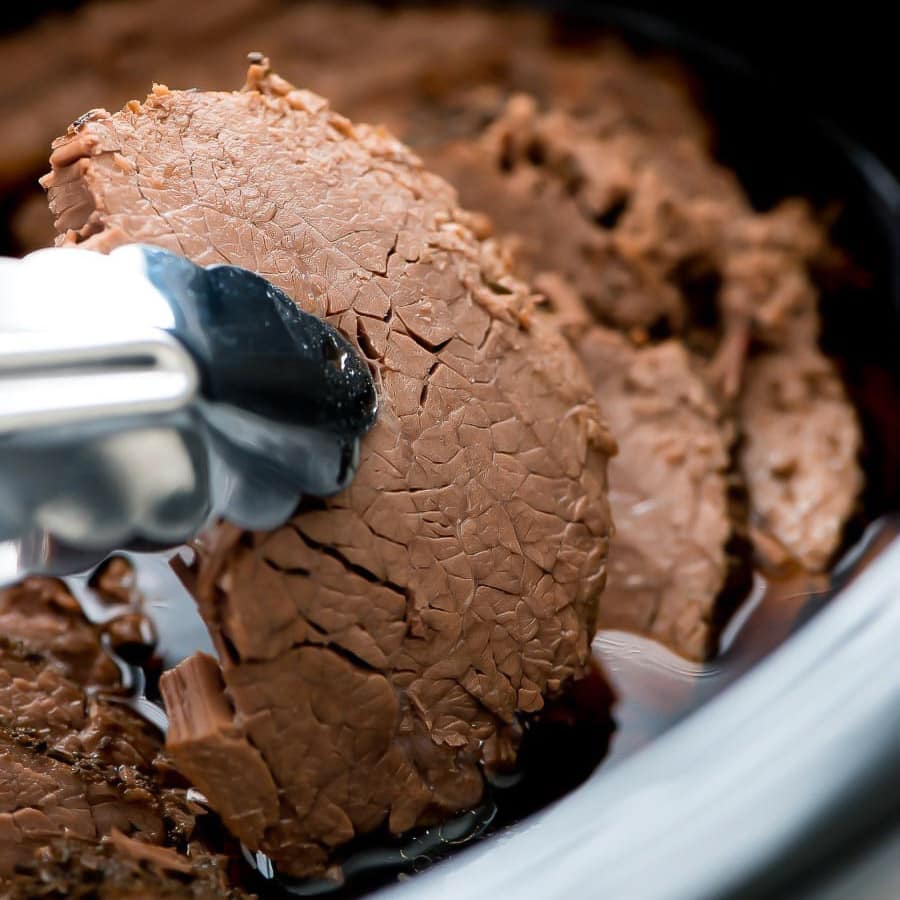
[[57, 380], [70, 352], [142, 396]]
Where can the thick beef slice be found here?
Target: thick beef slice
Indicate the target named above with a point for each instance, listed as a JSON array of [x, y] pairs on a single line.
[[564, 188], [120, 868], [767, 295], [388, 637], [799, 454], [667, 490], [540, 220], [633, 217]]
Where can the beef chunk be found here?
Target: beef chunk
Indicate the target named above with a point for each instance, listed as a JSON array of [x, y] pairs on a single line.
[[202, 731], [799, 455], [667, 489], [389, 637]]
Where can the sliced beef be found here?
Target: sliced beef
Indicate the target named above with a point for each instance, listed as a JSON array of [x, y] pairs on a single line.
[[390, 636], [72, 762], [767, 294], [594, 164], [635, 220], [39, 702], [43, 797], [668, 492], [799, 455], [641, 230], [41, 615], [120, 868], [77, 766], [524, 179], [58, 684]]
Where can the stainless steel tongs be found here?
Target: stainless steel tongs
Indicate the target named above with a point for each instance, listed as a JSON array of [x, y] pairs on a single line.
[[142, 396]]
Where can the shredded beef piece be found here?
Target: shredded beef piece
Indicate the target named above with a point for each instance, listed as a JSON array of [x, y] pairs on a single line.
[[37, 700], [77, 765], [72, 762], [42, 797]]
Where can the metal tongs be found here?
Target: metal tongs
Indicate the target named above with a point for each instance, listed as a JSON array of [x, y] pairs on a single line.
[[142, 396]]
